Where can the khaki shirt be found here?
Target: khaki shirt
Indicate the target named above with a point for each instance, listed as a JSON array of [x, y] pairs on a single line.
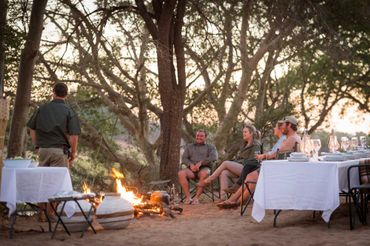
[[53, 123]]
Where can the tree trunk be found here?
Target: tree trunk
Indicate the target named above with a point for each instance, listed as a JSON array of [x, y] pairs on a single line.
[[166, 33], [3, 12], [26, 67], [171, 87], [4, 104]]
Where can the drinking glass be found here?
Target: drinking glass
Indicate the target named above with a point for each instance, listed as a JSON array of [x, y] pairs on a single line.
[[333, 144], [354, 143], [363, 142], [306, 145], [316, 145], [344, 142]]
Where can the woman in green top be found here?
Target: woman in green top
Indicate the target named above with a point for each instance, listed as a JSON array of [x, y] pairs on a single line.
[[234, 168]]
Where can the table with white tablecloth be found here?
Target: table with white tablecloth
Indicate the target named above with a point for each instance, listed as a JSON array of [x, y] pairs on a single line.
[[284, 185], [33, 185]]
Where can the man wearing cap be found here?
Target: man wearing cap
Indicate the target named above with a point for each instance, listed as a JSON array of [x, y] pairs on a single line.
[[54, 129], [289, 128]]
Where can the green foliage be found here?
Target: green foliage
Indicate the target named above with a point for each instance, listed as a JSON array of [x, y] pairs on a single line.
[[95, 174]]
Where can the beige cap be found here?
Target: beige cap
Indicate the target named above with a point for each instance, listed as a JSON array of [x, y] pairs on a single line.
[[291, 119]]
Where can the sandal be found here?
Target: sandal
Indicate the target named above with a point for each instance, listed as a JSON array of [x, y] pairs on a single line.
[[227, 205]]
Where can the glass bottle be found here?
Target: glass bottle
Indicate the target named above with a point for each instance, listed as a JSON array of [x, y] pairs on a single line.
[[333, 144], [306, 146], [174, 195]]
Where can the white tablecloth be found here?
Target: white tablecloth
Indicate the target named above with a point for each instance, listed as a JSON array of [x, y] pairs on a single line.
[[301, 186], [33, 184]]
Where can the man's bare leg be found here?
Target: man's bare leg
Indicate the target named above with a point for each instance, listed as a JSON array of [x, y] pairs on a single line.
[[202, 175], [184, 175]]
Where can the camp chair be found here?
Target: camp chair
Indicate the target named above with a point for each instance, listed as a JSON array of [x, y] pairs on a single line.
[[207, 190], [359, 194], [248, 184]]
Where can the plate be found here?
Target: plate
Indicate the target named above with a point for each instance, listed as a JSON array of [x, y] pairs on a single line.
[[297, 159], [326, 158]]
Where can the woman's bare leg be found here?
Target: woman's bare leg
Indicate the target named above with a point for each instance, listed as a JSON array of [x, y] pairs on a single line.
[[234, 168], [225, 177]]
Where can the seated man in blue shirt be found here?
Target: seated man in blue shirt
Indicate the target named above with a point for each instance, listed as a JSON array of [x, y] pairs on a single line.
[[198, 158]]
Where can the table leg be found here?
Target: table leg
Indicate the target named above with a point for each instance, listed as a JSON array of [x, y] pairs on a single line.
[[276, 212], [59, 219], [12, 220], [86, 218]]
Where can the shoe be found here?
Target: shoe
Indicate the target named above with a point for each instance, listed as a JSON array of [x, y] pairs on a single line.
[[188, 201], [227, 205], [233, 188], [195, 201]]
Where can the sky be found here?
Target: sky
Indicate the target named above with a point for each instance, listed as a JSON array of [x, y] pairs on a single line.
[[352, 121]]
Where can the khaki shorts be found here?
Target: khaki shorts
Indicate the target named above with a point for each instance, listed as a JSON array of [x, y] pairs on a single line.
[[52, 157]]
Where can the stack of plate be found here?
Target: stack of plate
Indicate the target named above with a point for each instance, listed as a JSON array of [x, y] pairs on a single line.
[[334, 157], [298, 157]]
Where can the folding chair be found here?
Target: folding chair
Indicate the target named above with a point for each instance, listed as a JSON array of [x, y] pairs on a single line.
[[207, 190], [248, 184], [359, 194], [63, 201]]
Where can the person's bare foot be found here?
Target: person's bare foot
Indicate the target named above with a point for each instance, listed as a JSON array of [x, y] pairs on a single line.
[[188, 201], [195, 201]]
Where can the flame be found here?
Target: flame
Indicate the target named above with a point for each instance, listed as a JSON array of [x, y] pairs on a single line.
[[125, 194], [117, 174], [86, 188]]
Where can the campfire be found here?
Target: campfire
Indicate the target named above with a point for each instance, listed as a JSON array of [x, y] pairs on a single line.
[[152, 203]]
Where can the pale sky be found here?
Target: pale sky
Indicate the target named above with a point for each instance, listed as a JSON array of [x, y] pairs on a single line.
[[352, 121]]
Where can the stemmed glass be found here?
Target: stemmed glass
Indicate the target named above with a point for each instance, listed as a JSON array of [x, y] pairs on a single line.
[[316, 146], [354, 143], [344, 142], [363, 142]]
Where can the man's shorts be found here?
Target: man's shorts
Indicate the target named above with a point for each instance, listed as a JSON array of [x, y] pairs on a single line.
[[52, 157], [201, 168]]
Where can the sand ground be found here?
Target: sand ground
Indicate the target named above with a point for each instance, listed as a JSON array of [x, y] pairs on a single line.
[[205, 224]]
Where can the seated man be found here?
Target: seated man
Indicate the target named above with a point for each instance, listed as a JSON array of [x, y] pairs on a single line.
[[289, 128], [198, 158]]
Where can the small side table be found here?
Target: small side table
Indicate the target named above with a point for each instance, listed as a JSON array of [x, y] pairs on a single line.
[[60, 200]]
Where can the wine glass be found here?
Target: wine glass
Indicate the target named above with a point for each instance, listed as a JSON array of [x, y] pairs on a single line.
[[354, 143], [316, 146], [363, 142], [306, 146], [344, 142]]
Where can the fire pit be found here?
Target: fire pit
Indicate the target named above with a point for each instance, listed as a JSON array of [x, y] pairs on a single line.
[[116, 210], [157, 202]]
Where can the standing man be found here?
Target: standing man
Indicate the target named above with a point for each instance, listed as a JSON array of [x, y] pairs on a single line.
[[54, 129], [198, 158]]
